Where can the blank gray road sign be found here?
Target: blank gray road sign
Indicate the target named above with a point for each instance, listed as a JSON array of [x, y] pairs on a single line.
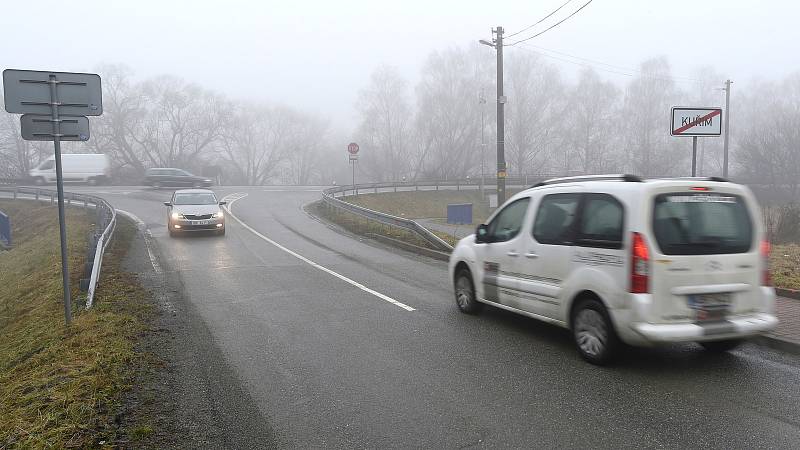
[[27, 92], [40, 128]]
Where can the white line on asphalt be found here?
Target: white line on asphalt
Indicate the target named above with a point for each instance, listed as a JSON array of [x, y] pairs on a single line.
[[233, 197], [148, 237]]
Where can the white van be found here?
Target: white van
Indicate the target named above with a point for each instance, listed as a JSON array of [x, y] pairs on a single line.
[[91, 168], [620, 258]]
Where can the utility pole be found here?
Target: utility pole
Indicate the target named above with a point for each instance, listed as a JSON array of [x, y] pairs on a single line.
[[482, 102], [497, 43], [727, 90]]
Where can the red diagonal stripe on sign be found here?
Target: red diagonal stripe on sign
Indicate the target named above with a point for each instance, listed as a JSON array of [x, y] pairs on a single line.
[[714, 113]]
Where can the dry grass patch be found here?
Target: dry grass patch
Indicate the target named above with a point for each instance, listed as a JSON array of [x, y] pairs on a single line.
[[60, 387]]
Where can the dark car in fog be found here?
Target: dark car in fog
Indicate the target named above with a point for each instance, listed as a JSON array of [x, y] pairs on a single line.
[[158, 177]]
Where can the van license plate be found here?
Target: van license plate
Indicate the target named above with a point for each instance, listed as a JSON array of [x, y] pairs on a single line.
[[710, 301]]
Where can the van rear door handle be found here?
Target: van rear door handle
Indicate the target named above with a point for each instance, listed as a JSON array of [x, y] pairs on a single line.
[[512, 253], [531, 255]]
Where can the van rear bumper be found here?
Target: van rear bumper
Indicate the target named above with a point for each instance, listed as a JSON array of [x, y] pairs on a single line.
[[732, 328]]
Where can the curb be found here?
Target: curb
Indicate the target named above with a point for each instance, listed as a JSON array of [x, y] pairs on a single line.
[[788, 293], [435, 254], [778, 344]]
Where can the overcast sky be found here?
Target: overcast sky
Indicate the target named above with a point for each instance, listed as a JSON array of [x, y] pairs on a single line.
[[316, 55]]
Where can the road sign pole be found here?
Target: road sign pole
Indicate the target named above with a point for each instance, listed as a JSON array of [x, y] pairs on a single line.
[[727, 124], [694, 156], [62, 224]]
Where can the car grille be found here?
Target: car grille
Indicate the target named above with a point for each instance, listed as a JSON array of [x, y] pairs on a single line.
[[193, 217]]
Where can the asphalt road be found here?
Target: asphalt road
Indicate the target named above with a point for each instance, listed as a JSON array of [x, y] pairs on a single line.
[[329, 361]]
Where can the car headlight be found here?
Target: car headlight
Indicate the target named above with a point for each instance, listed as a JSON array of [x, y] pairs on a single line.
[[218, 215], [177, 216]]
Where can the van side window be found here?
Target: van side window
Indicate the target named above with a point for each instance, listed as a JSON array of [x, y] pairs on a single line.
[[507, 223], [601, 222], [555, 218]]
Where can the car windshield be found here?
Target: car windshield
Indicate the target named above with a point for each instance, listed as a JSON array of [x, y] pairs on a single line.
[[701, 224], [195, 198]]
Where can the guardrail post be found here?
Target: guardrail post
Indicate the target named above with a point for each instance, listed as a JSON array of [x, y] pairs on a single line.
[[37, 195], [51, 199], [15, 193]]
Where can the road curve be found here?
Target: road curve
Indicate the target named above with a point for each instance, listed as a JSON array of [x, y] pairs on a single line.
[[329, 363]]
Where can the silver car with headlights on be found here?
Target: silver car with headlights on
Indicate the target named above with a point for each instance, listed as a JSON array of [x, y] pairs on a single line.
[[195, 210]]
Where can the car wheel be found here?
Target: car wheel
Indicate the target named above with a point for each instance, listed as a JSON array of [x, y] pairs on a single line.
[[721, 346], [465, 293], [156, 184], [593, 332], [221, 232]]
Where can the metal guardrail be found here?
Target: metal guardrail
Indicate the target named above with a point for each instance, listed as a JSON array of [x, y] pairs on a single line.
[[105, 224], [9, 181], [328, 196]]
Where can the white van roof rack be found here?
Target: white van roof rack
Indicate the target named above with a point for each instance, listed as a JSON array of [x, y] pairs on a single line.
[[618, 177]]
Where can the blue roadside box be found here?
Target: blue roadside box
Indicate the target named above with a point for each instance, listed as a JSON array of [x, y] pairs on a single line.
[[5, 230], [459, 214]]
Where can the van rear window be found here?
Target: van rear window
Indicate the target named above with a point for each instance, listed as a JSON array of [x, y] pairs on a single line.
[[701, 224]]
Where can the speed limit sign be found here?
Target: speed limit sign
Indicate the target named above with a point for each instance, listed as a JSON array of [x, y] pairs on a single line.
[[352, 148]]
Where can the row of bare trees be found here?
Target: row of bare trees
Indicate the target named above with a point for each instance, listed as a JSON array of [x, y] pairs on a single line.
[[168, 122], [557, 125]]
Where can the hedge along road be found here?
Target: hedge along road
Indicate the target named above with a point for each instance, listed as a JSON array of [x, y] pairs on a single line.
[[326, 362]]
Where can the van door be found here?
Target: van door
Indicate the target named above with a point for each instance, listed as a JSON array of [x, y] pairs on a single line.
[[500, 253], [547, 252], [706, 258]]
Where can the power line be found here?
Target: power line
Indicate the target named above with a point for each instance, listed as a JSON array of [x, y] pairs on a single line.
[[618, 72], [551, 26], [593, 62], [540, 20]]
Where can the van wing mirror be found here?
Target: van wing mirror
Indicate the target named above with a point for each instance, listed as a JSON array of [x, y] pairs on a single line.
[[482, 234]]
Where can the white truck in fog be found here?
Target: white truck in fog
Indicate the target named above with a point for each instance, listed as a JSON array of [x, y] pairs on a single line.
[[91, 168]]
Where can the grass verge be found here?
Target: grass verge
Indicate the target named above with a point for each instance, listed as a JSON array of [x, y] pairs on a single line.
[[361, 226], [61, 387], [785, 265], [420, 204]]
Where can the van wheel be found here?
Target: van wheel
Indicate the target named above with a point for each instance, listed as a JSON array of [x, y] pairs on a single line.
[[593, 332], [720, 346], [465, 293]]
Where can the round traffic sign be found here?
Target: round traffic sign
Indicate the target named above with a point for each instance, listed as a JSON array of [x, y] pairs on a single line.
[[352, 148]]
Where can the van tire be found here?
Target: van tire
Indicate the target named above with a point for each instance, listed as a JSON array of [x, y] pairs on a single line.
[[465, 293], [720, 346], [593, 332]]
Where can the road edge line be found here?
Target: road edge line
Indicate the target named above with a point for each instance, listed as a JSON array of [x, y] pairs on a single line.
[[308, 261]]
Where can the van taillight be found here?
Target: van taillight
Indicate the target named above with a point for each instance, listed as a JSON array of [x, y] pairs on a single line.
[[640, 265], [766, 278]]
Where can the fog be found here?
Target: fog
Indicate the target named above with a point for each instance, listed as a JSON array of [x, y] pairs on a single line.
[[316, 55], [272, 91]]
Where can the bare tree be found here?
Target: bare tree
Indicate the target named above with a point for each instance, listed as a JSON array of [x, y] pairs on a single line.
[[593, 105], [536, 107], [385, 124], [448, 117], [644, 120], [768, 140]]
